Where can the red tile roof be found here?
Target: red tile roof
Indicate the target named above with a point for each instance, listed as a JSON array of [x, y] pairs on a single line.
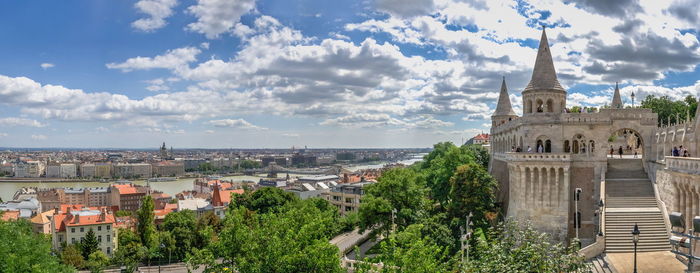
[[482, 137], [10, 215]]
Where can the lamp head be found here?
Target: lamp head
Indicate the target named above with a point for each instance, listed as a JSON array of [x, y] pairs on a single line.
[[635, 233]]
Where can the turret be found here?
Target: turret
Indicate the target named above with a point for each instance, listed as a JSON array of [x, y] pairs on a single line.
[[544, 93], [617, 100], [504, 110]]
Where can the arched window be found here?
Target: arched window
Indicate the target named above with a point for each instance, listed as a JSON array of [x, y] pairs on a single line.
[[575, 147], [539, 146], [548, 146], [540, 106], [528, 106], [567, 147], [550, 106], [592, 146]]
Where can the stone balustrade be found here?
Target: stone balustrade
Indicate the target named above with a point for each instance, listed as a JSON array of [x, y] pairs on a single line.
[[689, 165], [538, 156]]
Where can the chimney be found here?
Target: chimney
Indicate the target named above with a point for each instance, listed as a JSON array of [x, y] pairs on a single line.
[[103, 215], [77, 219], [55, 211]]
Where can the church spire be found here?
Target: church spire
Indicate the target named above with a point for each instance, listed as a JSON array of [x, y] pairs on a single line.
[[617, 101], [544, 77], [503, 107]]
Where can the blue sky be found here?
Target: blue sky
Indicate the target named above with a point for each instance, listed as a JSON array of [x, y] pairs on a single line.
[[371, 73]]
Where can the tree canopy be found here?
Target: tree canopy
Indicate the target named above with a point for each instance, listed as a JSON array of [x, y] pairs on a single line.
[[668, 109], [21, 250]]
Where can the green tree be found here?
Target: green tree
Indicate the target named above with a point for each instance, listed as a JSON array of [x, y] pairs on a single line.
[[21, 250], [518, 248], [410, 251], [146, 227], [263, 200], [71, 255], [181, 226], [472, 190], [250, 164], [439, 165], [89, 244], [130, 251], [397, 189], [97, 261], [293, 238], [667, 109], [122, 213]]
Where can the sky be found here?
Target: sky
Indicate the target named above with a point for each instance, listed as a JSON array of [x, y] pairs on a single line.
[[317, 73]]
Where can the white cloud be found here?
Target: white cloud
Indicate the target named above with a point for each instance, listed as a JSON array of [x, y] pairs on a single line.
[[39, 137], [102, 129], [3, 134], [156, 85], [21, 122], [47, 65], [235, 123], [157, 11], [215, 17], [291, 135], [176, 59], [210, 132]]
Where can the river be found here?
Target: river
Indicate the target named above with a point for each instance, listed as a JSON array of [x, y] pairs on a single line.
[[8, 189]]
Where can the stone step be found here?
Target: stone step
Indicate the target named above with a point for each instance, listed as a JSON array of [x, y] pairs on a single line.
[[599, 264]]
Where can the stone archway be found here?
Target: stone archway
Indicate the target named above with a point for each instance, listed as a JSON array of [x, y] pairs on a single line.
[[630, 140]]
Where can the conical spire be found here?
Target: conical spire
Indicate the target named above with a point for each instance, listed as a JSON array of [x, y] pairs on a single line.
[[504, 108], [543, 75], [617, 101]]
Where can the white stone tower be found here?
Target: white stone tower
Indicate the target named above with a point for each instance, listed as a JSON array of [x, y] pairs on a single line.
[[544, 94], [504, 110], [617, 100]]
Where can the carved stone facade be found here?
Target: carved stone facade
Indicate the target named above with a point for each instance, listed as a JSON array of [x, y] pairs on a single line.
[[540, 158]]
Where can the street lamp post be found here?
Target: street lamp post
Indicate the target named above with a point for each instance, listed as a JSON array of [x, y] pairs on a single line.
[[635, 239], [577, 214], [464, 240], [601, 204], [632, 95]]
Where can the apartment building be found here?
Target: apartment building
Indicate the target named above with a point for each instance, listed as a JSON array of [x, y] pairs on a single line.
[[346, 197], [135, 170], [72, 225], [127, 196]]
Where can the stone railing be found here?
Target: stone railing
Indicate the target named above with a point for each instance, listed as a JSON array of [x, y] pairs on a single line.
[[689, 165], [538, 156]]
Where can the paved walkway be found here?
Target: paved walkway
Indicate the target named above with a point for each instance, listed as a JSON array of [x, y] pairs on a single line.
[[647, 262]]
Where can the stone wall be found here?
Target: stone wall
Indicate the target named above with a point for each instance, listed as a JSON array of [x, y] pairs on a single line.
[[584, 178], [499, 171]]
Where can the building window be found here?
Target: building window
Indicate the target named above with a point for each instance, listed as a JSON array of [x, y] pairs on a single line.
[[72, 230], [348, 208], [72, 240], [82, 229], [99, 228], [348, 200], [60, 238], [108, 227], [109, 250], [109, 238], [99, 238]]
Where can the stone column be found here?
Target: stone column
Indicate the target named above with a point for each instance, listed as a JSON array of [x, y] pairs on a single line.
[[557, 190], [523, 186], [533, 191], [540, 188]]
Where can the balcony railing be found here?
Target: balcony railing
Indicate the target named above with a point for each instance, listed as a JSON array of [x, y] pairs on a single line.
[[690, 165]]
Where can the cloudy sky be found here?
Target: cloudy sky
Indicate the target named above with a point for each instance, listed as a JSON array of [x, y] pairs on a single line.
[[341, 73]]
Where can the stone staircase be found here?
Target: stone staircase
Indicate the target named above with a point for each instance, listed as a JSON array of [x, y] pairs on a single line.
[[630, 199], [600, 264]]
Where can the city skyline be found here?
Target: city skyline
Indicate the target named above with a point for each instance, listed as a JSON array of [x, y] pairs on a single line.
[[277, 74]]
